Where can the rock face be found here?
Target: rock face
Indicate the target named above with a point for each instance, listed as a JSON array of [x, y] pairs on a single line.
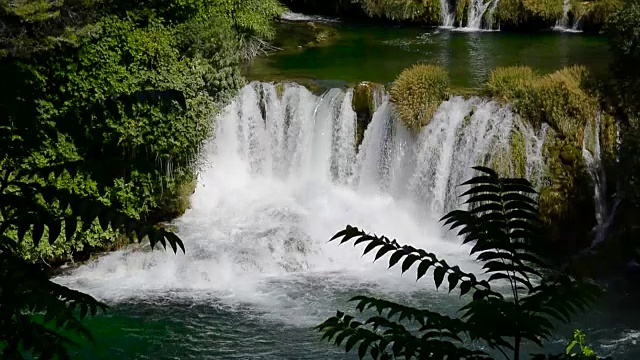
[[366, 97]]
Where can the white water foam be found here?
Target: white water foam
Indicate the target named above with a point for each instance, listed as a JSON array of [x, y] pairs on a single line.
[[281, 177], [292, 16]]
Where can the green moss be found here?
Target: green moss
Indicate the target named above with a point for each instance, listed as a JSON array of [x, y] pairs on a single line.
[[280, 89], [596, 13], [608, 135], [363, 104], [529, 13], [566, 202], [518, 153], [560, 99], [427, 11], [417, 93], [177, 200], [293, 36], [462, 12]]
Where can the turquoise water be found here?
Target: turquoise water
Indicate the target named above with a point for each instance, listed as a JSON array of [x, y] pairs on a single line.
[[379, 54], [171, 328]]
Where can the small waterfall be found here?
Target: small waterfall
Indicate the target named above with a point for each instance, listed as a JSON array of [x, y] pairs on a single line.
[[447, 15], [477, 10], [563, 22], [592, 155], [480, 15]]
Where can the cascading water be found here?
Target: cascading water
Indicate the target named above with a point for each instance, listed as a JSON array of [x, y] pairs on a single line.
[[564, 23], [480, 15], [447, 15], [592, 155], [281, 176], [477, 10]]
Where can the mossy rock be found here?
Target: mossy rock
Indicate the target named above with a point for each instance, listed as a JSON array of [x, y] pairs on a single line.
[[567, 205], [462, 12], [561, 99], [528, 14], [418, 92], [176, 201], [518, 148], [364, 104]]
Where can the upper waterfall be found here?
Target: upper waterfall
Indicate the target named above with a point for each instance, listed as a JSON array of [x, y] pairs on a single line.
[[297, 134]]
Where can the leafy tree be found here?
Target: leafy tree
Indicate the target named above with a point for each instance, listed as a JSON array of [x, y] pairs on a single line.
[[502, 225], [36, 314], [623, 30]]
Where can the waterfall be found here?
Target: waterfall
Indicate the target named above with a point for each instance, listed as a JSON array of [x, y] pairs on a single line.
[[564, 23], [447, 15], [477, 10], [480, 15], [282, 175], [592, 155]]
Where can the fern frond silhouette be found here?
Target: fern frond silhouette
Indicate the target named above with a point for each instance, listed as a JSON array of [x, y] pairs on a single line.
[[502, 225]]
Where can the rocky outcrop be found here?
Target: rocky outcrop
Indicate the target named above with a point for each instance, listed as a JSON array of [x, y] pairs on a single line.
[[366, 96]]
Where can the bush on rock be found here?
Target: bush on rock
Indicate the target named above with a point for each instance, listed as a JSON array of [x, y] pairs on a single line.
[[417, 93]]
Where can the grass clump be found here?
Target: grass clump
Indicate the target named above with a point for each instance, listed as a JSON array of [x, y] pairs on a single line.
[[401, 10], [417, 93], [560, 99]]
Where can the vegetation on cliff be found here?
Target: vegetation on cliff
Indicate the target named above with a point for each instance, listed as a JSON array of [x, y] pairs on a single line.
[[417, 93]]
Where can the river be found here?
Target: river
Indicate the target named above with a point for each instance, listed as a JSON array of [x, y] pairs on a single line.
[[282, 176]]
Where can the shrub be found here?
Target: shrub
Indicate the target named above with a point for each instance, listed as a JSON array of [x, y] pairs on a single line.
[[510, 82], [426, 10], [417, 93], [559, 99], [531, 13]]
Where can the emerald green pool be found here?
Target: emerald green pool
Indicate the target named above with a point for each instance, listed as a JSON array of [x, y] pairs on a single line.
[[379, 54]]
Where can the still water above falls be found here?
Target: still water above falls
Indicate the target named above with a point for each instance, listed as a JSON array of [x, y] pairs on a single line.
[[281, 176], [379, 54]]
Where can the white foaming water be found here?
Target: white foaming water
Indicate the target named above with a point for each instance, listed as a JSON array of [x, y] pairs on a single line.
[[281, 177], [292, 16], [480, 15], [564, 24], [592, 155]]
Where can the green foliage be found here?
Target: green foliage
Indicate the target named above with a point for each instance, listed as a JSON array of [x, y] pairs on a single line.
[[518, 13], [576, 349], [462, 12], [33, 207], [424, 10], [623, 30], [560, 99], [417, 93], [503, 225], [363, 103]]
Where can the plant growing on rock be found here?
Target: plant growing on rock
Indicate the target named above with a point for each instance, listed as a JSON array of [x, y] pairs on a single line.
[[502, 225], [364, 103], [417, 93], [560, 99]]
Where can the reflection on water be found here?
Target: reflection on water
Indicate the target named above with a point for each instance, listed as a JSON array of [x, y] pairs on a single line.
[[379, 53]]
